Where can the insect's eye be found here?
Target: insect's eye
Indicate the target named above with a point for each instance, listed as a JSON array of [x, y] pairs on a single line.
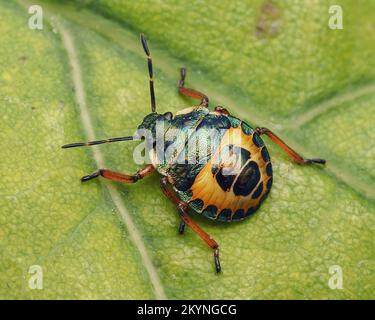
[[168, 115]]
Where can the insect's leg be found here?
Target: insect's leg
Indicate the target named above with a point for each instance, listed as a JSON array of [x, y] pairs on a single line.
[[119, 177], [222, 110], [291, 153], [191, 92], [182, 208]]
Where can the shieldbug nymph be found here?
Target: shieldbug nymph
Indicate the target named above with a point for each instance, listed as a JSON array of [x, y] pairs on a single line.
[[209, 185]]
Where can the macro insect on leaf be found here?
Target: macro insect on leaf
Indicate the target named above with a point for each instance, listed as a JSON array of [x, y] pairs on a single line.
[[226, 183]]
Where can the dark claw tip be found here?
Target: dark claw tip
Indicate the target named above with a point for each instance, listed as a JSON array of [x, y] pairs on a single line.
[[313, 161], [72, 145], [89, 177], [183, 73], [86, 178], [321, 161]]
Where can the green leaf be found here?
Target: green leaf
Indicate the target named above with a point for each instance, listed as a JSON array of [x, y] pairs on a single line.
[[275, 65]]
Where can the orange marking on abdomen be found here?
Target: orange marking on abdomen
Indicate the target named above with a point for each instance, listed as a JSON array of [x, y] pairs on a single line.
[[206, 187]]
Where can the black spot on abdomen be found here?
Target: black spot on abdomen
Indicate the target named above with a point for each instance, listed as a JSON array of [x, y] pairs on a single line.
[[197, 204], [257, 140], [226, 178], [269, 183], [210, 211], [224, 181], [269, 169], [258, 191], [224, 215], [239, 214], [247, 180], [265, 155]]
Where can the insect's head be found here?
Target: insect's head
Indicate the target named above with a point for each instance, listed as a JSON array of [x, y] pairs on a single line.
[[149, 122]]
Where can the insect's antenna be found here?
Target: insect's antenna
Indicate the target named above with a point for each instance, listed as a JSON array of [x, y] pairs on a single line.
[[92, 143], [149, 62]]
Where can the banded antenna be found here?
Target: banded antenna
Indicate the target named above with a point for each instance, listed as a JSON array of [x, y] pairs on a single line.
[[153, 106], [93, 143], [150, 72]]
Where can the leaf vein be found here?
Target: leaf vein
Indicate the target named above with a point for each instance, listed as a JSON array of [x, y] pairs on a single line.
[[134, 233]]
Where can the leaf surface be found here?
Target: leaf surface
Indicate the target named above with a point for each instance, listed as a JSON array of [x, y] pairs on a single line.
[[85, 75]]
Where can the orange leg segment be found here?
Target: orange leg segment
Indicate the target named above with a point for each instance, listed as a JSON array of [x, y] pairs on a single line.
[[182, 208], [291, 153], [191, 92], [120, 177]]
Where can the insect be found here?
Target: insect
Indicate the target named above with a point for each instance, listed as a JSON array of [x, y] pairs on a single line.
[[211, 187]]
